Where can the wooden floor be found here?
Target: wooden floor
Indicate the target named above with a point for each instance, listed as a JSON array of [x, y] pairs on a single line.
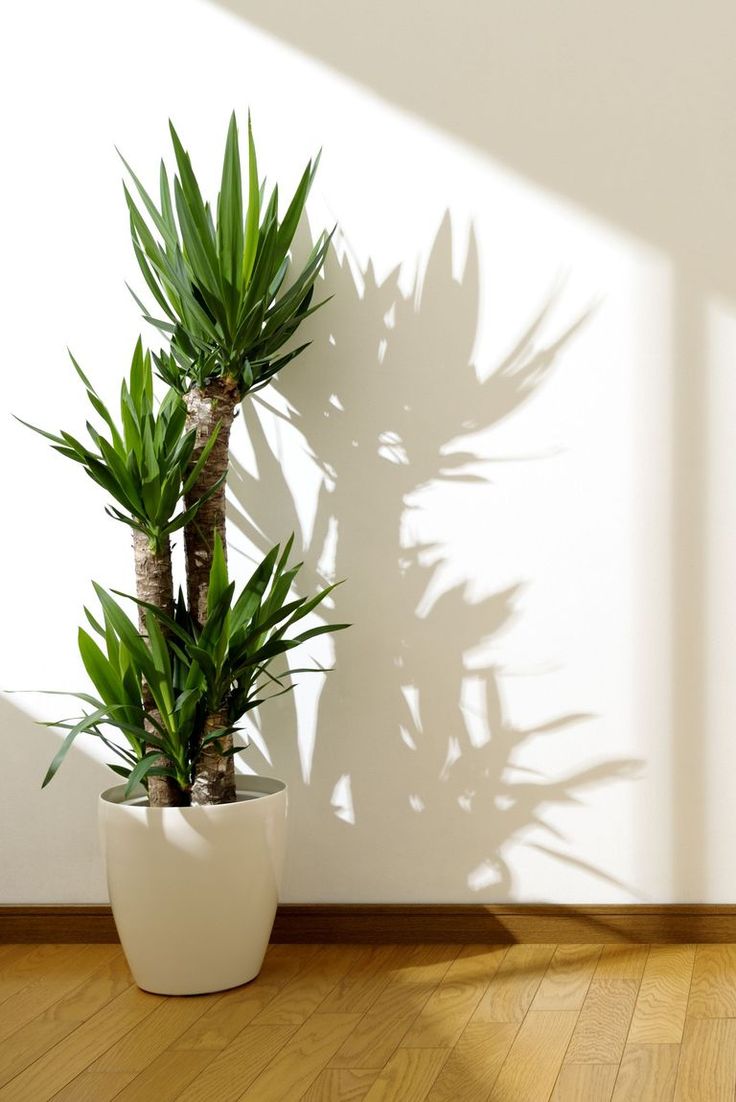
[[523, 1023]]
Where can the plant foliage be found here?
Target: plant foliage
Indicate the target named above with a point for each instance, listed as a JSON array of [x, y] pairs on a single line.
[[190, 671], [243, 635], [229, 306], [220, 281], [145, 461]]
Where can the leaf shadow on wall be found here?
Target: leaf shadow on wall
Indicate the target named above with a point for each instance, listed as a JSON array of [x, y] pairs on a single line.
[[401, 794]]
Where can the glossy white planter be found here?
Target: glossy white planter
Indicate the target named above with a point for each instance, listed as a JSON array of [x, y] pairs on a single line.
[[194, 889]]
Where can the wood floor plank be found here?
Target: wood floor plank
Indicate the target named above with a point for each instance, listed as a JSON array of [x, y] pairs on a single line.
[[713, 987], [21, 965], [374, 969], [292, 1071], [167, 1078], [473, 1065], [621, 962], [186, 1064], [423, 967], [96, 990], [301, 996], [585, 1083], [661, 1005], [222, 1022], [341, 1085], [707, 1069], [114, 1069], [566, 981], [379, 1032], [531, 1068], [449, 1008], [54, 976], [647, 1074], [10, 951], [67, 1059], [408, 1076], [376, 1037], [237, 1008], [514, 985], [230, 1071], [602, 1028]]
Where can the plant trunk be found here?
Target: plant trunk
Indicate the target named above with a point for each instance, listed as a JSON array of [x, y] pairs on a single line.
[[214, 782], [208, 407], [154, 584]]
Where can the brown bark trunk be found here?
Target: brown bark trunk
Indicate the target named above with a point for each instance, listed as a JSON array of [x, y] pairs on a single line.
[[154, 584], [209, 406], [215, 779]]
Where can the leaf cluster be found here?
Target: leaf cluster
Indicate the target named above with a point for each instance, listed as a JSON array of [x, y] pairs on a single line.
[[190, 671], [153, 744], [242, 635], [145, 461], [220, 281]]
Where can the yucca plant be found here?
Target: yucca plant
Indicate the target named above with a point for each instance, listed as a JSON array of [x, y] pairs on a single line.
[[230, 307], [176, 685]]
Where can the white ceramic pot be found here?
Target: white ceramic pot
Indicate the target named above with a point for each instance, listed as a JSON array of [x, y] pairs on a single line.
[[194, 889]]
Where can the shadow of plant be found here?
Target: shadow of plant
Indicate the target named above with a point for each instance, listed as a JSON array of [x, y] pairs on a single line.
[[386, 406]]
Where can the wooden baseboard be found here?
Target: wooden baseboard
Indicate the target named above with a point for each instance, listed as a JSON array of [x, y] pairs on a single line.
[[378, 922]]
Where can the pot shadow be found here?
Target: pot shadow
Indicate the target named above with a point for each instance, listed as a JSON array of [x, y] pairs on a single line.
[[386, 404]]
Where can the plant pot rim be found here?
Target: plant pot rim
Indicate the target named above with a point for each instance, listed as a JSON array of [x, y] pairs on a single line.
[[254, 785]]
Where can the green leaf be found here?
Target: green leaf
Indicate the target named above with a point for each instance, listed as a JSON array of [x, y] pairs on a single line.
[[119, 769], [218, 581], [296, 207], [196, 213], [310, 604], [161, 223], [167, 210], [260, 628], [167, 621], [324, 629], [161, 685], [189, 514], [196, 470], [215, 736], [101, 672], [140, 375], [151, 282], [205, 662], [140, 770], [253, 215], [230, 208], [195, 243], [127, 633], [83, 725], [250, 599]]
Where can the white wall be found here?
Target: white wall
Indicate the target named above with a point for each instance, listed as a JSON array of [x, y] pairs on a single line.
[[534, 288]]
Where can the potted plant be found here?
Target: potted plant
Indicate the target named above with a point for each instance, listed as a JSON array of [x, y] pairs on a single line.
[[193, 850]]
